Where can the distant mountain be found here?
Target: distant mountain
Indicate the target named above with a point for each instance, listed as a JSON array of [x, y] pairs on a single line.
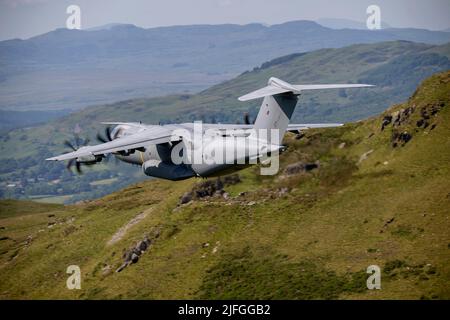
[[70, 69], [334, 23], [396, 68], [108, 26], [17, 119]]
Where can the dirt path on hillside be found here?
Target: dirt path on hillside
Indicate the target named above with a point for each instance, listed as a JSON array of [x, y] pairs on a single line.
[[123, 230]]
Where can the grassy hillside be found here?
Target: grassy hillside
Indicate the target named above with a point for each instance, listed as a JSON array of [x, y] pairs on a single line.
[[396, 68], [378, 197]]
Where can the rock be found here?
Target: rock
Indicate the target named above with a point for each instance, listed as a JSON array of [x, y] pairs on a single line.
[[342, 145], [231, 179], [134, 258], [219, 184], [225, 195], [205, 189], [136, 251], [300, 167], [214, 250], [404, 137], [147, 241], [251, 203], [386, 121], [388, 222], [123, 266], [283, 191], [219, 193], [294, 168], [364, 156], [186, 198], [127, 255], [205, 245], [106, 270], [141, 246], [400, 138]]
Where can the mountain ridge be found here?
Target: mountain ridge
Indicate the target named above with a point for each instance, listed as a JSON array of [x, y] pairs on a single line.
[[86, 67]]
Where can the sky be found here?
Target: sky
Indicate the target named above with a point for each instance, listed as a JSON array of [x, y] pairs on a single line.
[[27, 18]]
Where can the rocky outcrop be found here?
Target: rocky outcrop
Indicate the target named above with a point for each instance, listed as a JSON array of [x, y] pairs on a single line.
[[300, 166], [133, 254], [401, 135], [210, 188], [400, 139]]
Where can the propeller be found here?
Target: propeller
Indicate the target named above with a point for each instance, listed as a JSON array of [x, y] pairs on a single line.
[[74, 146], [107, 137], [74, 162]]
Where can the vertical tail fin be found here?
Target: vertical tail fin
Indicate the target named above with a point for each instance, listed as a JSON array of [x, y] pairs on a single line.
[[276, 112], [280, 99]]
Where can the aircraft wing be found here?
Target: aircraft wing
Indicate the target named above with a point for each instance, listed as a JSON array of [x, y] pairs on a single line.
[[291, 127], [226, 126], [305, 126], [153, 135]]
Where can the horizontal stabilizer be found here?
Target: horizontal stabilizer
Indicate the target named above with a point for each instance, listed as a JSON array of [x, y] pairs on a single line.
[[305, 126], [277, 86]]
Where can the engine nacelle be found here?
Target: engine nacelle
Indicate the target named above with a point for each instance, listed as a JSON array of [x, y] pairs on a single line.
[[159, 169], [89, 159]]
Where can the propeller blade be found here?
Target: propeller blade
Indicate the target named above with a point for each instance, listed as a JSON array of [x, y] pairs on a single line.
[[77, 141], [101, 138], [108, 133], [78, 167], [69, 145], [247, 118], [70, 164]]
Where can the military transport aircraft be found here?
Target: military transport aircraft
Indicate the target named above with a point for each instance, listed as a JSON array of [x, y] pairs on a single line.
[[182, 151]]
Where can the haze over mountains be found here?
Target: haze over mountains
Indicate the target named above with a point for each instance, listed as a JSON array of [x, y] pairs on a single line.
[[70, 69]]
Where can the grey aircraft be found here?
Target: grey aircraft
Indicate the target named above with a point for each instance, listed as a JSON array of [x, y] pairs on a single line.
[[182, 151]]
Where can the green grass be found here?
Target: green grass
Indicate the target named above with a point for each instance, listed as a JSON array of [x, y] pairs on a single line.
[[313, 242], [14, 208]]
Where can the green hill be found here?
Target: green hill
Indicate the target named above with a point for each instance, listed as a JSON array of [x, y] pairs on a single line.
[[378, 197], [396, 68]]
